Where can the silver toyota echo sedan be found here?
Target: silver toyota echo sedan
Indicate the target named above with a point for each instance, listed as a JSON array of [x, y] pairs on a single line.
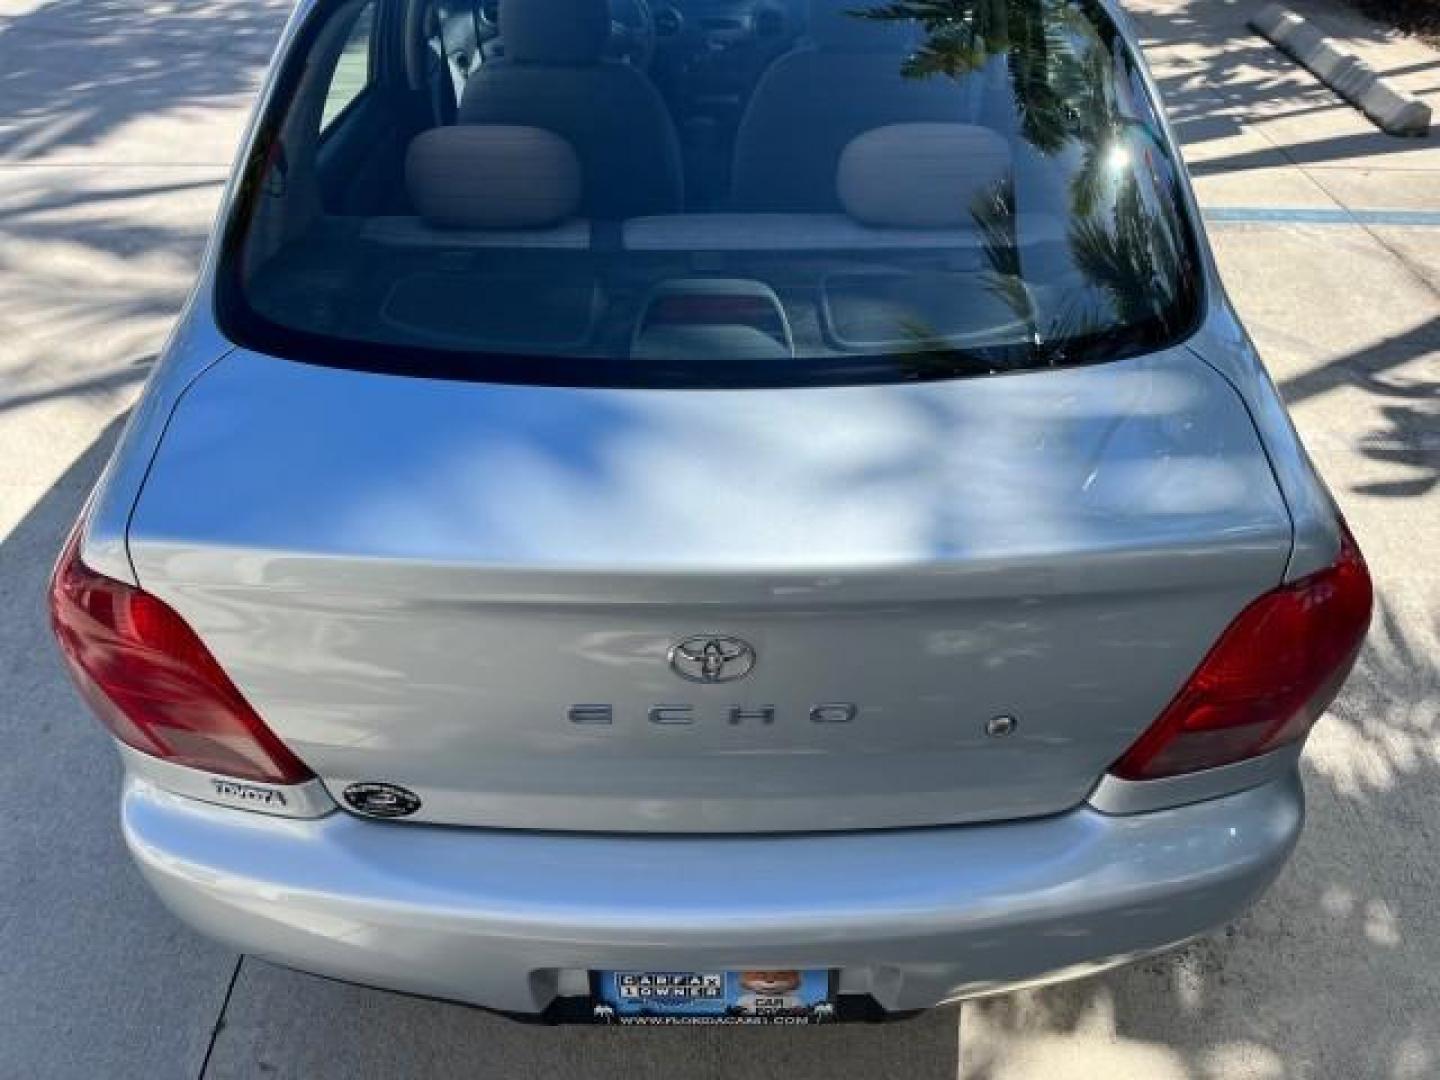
[[709, 511]]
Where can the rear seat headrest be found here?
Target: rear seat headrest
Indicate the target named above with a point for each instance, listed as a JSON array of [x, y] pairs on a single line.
[[492, 176], [919, 176]]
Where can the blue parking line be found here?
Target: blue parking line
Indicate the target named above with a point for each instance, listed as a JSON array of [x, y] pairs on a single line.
[[1225, 215]]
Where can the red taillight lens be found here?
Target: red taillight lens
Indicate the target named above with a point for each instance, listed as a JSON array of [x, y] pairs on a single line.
[[154, 684], [1273, 672]]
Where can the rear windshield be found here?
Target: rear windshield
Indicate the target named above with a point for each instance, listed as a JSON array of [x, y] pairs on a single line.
[[708, 193]]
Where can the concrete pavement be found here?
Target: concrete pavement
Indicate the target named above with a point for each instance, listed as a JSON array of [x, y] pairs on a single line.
[[117, 119]]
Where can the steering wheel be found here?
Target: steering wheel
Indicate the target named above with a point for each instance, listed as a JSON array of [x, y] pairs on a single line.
[[632, 33]]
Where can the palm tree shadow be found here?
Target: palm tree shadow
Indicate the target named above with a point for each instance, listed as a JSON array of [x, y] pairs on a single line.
[[73, 73], [117, 102]]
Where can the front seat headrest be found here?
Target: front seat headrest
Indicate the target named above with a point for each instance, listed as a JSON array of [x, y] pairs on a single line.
[[492, 176], [920, 176], [559, 32]]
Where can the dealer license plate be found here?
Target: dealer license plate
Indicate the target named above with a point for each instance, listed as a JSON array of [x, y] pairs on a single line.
[[714, 997]]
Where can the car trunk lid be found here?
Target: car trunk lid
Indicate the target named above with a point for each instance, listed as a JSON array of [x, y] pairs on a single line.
[[474, 591]]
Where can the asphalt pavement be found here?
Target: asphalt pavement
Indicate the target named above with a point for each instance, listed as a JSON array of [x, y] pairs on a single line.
[[118, 119]]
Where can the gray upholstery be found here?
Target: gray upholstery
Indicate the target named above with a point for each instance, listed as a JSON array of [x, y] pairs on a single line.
[[782, 232], [414, 233], [554, 77], [492, 177], [811, 102], [920, 176]]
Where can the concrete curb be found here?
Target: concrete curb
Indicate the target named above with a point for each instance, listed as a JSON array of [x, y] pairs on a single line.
[[1394, 110]]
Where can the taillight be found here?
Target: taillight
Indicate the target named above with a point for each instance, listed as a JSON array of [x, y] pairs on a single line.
[[153, 683], [1266, 681]]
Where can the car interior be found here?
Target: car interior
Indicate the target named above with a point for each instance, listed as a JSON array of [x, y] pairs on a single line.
[[658, 179]]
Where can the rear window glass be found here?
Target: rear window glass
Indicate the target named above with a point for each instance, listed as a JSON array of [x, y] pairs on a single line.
[[708, 193]]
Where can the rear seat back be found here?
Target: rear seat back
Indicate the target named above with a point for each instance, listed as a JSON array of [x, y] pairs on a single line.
[[530, 272], [907, 186], [813, 101]]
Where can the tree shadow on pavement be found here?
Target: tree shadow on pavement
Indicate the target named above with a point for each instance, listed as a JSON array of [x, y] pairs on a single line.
[[74, 74], [1222, 83], [106, 109], [1400, 373], [94, 274]]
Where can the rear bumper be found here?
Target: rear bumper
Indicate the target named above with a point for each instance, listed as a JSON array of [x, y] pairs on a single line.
[[511, 920]]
